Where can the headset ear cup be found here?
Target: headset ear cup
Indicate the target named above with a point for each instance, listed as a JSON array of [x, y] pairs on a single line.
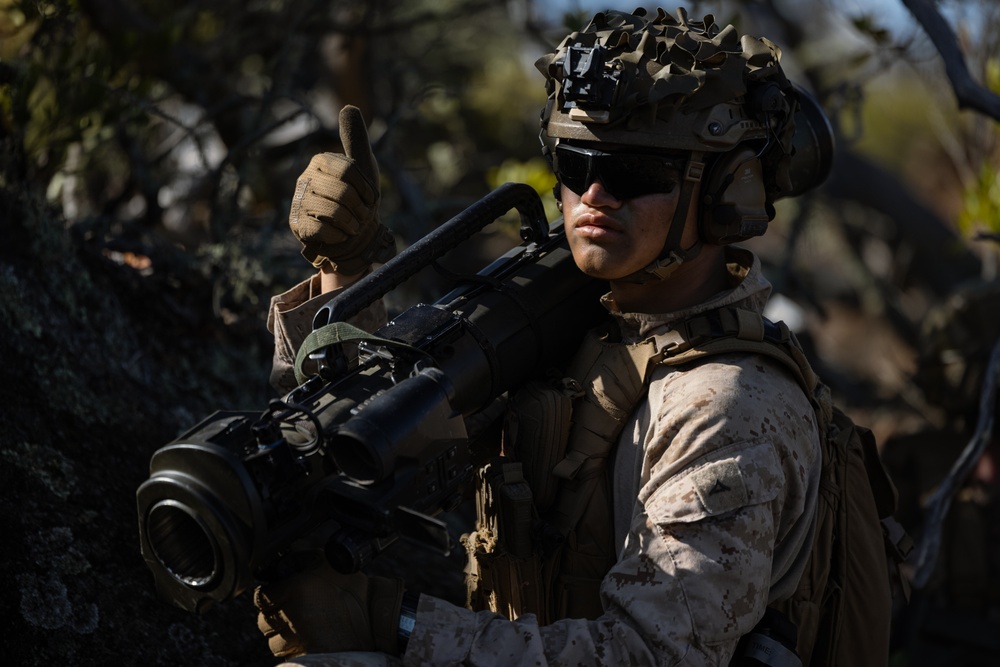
[[734, 201]]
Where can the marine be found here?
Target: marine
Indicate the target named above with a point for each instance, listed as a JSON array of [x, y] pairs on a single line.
[[675, 503]]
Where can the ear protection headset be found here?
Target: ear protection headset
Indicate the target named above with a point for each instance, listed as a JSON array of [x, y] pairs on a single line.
[[741, 185], [733, 203]]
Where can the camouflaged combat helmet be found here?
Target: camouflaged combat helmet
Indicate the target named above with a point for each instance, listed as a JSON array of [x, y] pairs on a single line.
[[718, 99]]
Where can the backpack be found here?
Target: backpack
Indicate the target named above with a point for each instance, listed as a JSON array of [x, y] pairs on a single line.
[[842, 607]]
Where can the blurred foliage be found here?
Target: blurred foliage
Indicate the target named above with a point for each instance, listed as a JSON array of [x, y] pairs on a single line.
[[162, 127], [170, 133], [872, 27], [149, 150], [981, 212], [536, 173], [895, 120], [897, 106]]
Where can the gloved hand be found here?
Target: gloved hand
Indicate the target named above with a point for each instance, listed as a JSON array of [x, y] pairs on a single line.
[[319, 610], [334, 211]]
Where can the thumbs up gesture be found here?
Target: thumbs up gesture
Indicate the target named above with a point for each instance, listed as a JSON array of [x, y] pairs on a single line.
[[334, 211]]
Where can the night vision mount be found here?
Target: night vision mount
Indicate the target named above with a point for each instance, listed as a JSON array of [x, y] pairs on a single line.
[[592, 83]]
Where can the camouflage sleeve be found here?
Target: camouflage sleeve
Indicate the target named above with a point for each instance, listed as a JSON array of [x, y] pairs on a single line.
[[691, 581], [695, 572], [290, 320], [698, 566]]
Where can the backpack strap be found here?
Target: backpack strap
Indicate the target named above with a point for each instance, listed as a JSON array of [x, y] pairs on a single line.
[[727, 330]]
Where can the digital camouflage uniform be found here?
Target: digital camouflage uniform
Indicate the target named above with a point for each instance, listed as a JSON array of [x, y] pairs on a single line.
[[714, 482]]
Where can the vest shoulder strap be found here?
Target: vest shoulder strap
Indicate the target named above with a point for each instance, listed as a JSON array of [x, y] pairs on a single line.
[[729, 330], [614, 378]]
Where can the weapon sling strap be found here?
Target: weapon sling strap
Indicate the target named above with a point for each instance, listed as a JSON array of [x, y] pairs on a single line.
[[336, 333]]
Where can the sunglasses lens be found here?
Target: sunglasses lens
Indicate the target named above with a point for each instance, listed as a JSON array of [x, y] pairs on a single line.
[[623, 175], [574, 169], [636, 175]]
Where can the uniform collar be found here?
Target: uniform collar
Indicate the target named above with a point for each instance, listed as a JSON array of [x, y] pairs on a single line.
[[748, 289]]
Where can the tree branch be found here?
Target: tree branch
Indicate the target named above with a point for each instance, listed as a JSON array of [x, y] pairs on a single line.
[[968, 92], [939, 504]]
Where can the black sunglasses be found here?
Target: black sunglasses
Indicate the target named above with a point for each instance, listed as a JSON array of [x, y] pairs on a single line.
[[623, 175]]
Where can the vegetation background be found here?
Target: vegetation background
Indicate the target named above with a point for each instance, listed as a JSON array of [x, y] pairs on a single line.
[[148, 153]]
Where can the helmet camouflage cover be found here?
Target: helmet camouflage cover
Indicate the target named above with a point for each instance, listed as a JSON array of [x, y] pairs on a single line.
[[670, 83]]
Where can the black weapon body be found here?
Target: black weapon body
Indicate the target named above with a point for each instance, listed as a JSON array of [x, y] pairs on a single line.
[[373, 451]]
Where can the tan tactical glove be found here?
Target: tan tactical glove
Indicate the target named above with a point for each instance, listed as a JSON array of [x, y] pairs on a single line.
[[319, 610], [334, 211]]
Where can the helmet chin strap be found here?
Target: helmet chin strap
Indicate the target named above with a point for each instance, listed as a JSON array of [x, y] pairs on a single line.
[[672, 255]]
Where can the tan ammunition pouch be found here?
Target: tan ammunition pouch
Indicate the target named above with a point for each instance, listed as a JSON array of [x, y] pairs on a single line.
[[557, 440], [503, 570]]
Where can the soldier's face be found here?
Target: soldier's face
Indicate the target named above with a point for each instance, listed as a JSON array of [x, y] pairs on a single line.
[[618, 204], [612, 238]]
